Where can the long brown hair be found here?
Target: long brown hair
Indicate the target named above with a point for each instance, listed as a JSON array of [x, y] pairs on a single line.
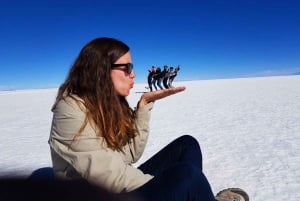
[[89, 78]]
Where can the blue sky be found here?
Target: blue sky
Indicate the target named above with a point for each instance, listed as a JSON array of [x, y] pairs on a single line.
[[210, 39]]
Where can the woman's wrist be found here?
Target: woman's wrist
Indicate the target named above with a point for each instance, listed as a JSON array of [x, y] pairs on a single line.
[[143, 101]]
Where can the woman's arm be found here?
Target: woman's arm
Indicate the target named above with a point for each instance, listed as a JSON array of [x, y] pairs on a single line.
[[88, 154]]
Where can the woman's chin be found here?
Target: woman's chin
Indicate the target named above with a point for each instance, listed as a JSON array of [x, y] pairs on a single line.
[[125, 93]]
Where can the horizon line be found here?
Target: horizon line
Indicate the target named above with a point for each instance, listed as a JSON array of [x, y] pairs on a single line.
[[179, 80]]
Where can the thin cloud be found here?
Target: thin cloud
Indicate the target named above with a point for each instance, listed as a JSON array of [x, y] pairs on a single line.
[[291, 71], [7, 88]]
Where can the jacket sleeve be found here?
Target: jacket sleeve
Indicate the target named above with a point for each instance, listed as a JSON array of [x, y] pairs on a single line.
[[88, 155], [137, 146]]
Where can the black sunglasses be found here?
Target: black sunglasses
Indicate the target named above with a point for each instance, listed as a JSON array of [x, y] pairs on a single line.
[[128, 69]]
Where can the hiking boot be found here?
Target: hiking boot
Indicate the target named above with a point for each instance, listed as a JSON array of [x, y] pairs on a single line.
[[232, 194]]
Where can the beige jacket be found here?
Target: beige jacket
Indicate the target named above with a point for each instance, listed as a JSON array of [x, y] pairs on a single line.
[[88, 156]]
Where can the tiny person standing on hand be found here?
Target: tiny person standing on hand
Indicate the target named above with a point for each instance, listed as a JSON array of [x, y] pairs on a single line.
[[96, 136]]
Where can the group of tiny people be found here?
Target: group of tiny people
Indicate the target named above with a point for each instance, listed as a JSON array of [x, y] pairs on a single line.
[[157, 77]]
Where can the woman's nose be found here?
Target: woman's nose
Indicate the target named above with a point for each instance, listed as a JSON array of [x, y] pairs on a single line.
[[132, 74]]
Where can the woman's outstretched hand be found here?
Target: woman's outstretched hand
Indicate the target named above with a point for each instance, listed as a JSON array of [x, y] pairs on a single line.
[[156, 95]]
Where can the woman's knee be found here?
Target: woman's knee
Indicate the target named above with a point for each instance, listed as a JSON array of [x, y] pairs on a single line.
[[188, 139]]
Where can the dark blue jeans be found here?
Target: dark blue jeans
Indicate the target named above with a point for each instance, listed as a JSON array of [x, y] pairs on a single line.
[[178, 175]]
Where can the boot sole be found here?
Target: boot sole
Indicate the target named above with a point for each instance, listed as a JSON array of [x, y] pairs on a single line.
[[237, 191]]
